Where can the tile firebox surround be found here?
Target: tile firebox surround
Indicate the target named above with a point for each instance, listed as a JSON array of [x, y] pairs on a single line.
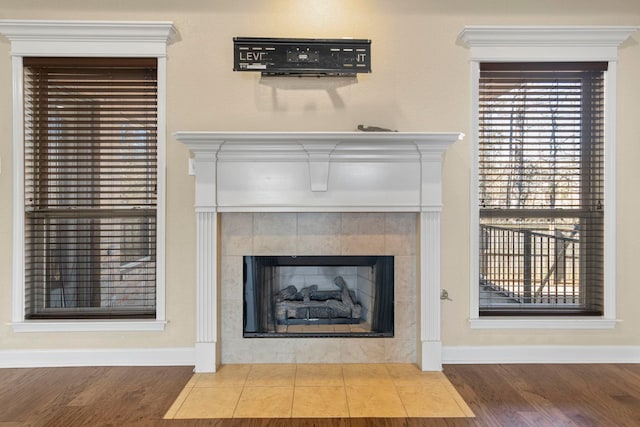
[[309, 233], [313, 193]]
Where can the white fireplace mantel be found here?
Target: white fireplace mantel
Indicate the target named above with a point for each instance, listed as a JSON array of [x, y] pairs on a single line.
[[317, 172]]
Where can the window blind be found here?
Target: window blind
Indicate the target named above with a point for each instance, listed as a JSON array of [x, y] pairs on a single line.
[[541, 188], [90, 187]]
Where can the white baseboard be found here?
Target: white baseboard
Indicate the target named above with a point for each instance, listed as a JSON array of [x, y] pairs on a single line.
[[170, 356], [540, 354], [185, 356]]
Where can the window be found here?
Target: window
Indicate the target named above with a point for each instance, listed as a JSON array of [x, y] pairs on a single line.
[[541, 188], [140, 232], [90, 187], [558, 199]]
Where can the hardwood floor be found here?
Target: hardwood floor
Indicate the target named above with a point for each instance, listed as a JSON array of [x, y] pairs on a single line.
[[499, 395]]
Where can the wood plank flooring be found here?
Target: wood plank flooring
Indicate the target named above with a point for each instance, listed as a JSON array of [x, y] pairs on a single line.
[[499, 395]]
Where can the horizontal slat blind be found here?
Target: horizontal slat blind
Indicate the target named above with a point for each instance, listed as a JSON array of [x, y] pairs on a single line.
[[541, 187], [90, 186]]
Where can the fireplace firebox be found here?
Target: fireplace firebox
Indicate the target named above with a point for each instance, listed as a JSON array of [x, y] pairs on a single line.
[[318, 296]]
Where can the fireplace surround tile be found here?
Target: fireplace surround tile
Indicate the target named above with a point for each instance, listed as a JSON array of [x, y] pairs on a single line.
[[363, 231], [237, 234], [358, 234], [405, 279], [328, 349], [400, 349], [274, 233], [319, 233], [400, 231]]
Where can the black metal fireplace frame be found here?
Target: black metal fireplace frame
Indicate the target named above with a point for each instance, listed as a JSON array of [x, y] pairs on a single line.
[[257, 320]]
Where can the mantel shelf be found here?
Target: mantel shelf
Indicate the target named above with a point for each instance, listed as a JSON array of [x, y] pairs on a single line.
[[318, 171]]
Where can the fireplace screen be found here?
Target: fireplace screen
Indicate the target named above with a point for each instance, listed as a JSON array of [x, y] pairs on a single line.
[[318, 296]]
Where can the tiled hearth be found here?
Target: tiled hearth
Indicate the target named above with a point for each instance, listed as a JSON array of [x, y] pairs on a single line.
[[317, 193], [391, 233], [319, 391]]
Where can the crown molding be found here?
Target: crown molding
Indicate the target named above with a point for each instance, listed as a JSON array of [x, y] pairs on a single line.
[[160, 31], [85, 38], [482, 36], [544, 43]]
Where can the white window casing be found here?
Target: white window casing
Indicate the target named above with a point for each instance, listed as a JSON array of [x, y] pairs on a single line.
[[547, 44], [35, 38]]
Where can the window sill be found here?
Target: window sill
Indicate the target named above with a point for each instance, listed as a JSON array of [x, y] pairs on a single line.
[[542, 323], [89, 326]]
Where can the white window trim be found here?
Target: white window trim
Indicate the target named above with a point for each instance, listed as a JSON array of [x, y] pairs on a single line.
[[84, 39], [546, 44]]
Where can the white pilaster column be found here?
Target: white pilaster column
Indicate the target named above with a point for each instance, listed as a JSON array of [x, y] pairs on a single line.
[[429, 344], [207, 347]]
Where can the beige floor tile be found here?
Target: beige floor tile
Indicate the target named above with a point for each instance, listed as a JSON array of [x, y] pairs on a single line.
[[325, 328], [227, 375], [366, 374], [209, 402], [463, 406], [368, 401], [429, 402], [410, 375], [319, 375], [179, 400], [404, 374], [193, 380], [458, 399], [276, 375], [302, 328], [265, 402], [372, 390], [320, 402]]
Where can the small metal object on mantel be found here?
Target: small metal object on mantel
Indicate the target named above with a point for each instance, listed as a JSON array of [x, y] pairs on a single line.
[[364, 128]]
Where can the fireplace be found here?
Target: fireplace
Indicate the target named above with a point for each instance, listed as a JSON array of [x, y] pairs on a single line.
[[268, 193], [318, 296]]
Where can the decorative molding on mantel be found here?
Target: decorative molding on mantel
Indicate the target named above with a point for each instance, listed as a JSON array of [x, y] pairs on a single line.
[[201, 137], [545, 43], [317, 172], [79, 38]]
